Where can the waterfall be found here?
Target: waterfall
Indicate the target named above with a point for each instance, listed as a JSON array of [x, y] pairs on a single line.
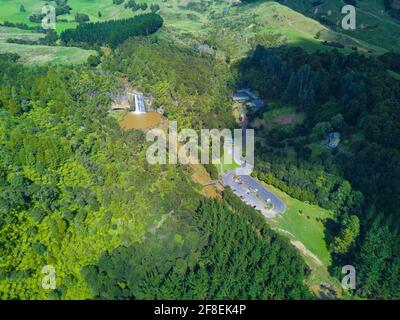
[[139, 104]]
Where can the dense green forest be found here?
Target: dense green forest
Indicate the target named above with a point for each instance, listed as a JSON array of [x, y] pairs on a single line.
[[113, 32], [393, 8], [72, 183], [192, 87], [217, 255], [355, 96], [78, 194]]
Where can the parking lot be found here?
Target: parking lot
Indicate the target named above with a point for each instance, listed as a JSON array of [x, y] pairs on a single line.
[[254, 194]]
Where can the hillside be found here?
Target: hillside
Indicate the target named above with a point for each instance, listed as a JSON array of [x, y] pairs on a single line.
[[375, 25], [310, 98], [40, 54], [79, 194], [235, 29]]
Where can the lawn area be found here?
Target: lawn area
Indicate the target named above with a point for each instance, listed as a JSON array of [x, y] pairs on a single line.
[[15, 33], [374, 24], [38, 54], [224, 167], [303, 224], [10, 11], [285, 117], [101, 10], [282, 118]]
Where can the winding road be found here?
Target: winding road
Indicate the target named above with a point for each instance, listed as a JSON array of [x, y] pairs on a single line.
[[248, 189]]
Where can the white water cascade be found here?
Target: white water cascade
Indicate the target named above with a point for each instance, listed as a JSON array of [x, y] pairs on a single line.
[[139, 104]]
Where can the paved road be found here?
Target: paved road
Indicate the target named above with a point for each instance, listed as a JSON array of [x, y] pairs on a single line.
[[254, 194], [249, 189]]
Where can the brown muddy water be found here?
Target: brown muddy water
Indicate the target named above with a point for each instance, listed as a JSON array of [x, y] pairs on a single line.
[[140, 121]]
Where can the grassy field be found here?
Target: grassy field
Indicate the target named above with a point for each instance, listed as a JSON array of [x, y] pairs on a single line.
[[303, 224], [241, 28], [374, 25], [301, 30], [10, 11], [234, 31], [286, 118], [39, 55], [15, 33], [224, 167]]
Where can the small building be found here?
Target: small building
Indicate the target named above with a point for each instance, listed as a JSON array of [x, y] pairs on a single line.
[[333, 139], [255, 104], [249, 93], [240, 97], [250, 98]]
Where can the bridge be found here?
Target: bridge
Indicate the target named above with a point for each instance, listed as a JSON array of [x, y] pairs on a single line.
[[212, 182]]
